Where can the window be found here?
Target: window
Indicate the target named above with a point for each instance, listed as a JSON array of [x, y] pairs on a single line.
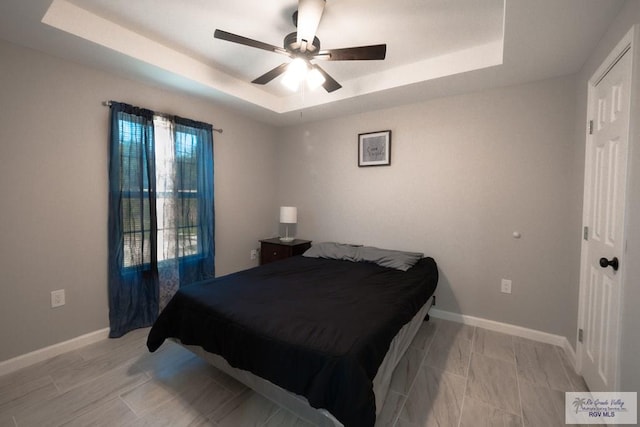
[[176, 195]]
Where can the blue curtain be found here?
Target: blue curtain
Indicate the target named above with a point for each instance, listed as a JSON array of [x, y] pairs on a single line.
[[133, 261], [194, 146], [141, 275]]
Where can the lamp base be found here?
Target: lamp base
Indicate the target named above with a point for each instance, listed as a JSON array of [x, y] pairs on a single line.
[[287, 239]]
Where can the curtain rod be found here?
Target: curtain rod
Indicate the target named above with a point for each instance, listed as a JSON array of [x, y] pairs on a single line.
[[108, 104]]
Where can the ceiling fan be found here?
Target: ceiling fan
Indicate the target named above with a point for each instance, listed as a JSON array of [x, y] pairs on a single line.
[[303, 46]]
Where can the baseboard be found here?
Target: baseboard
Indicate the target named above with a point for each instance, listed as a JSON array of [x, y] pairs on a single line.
[[507, 328], [43, 354]]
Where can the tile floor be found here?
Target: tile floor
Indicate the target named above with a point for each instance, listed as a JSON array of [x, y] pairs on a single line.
[[452, 375]]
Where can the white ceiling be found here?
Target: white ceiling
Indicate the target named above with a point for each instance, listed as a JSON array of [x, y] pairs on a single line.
[[434, 47]]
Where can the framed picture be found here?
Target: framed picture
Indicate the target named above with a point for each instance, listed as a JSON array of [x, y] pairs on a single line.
[[374, 148]]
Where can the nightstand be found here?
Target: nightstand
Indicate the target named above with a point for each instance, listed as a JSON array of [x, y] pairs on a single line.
[[273, 249]]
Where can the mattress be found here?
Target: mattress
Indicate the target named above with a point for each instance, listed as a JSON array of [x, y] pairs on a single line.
[[299, 405], [319, 328]]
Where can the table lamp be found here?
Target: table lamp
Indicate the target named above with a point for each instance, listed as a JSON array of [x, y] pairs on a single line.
[[288, 215]]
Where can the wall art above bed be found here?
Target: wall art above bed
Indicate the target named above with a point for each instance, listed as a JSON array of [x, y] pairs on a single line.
[[374, 148]]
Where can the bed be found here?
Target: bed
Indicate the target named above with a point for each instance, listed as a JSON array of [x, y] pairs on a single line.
[[320, 336]]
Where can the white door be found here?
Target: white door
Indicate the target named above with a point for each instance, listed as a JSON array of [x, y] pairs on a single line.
[[603, 244]]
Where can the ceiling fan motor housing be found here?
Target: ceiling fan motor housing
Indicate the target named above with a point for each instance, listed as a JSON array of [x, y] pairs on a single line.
[[291, 45]]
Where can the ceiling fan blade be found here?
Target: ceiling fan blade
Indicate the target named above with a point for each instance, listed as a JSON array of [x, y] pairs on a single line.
[[270, 75], [329, 82], [234, 38], [361, 53], [309, 14]]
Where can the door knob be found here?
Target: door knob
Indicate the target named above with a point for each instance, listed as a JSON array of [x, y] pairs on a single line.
[[613, 263]]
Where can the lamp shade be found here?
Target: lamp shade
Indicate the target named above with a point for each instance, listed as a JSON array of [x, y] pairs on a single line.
[[288, 214]]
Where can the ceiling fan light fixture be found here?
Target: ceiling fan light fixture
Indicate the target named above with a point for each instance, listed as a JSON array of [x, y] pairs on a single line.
[[290, 83], [315, 79], [296, 72]]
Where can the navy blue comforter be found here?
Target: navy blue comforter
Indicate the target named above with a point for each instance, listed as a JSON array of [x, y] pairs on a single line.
[[317, 327]]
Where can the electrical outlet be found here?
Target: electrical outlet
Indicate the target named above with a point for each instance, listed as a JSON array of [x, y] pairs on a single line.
[[505, 286], [57, 298], [254, 254]]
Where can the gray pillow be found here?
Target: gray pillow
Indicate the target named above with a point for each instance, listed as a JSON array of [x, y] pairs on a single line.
[[398, 260], [332, 250]]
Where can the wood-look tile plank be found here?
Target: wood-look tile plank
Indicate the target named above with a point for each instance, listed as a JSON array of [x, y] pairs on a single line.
[[173, 380], [72, 376], [540, 364], [406, 371], [39, 370], [230, 405], [112, 412], [188, 407], [435, 399], [213, 397], [228, 382], [25, 395], [284, 418], [541, 406], [23, 392], [450, 354], [576, 380], [451, 347], [79, 400], [168, 354], [493, 382], [177, 417], [494, 344], [478, 414], [254, 411], [450, 330], [135, 338], [182, 410], [425, 336]]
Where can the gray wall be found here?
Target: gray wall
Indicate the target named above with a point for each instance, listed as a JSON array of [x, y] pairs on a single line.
[[630, 351], [53, 187], [466, 172]]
